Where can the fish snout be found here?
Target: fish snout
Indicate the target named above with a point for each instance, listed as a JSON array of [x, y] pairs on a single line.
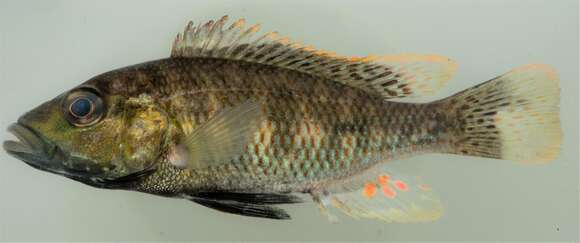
[[29, 146]]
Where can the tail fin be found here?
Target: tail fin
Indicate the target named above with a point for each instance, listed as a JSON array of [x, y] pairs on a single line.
[[514, 116]]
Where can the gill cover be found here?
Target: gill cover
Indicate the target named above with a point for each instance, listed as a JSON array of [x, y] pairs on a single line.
[[143, 136]]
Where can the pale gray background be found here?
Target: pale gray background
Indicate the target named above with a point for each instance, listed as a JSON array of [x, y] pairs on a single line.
[[47, 47]]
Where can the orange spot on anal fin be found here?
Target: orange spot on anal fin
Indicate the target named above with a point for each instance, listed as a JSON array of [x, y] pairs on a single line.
[[384, 180], [369, 190], [389, 192], [402, 186]]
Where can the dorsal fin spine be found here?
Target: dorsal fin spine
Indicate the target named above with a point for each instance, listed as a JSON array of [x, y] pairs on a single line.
[[388, 76], [210, 43]]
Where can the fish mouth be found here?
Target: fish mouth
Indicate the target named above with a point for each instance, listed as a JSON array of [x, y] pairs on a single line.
[[34, 150], [38, 152]]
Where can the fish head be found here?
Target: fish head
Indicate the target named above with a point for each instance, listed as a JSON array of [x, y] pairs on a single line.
[[92, 136]]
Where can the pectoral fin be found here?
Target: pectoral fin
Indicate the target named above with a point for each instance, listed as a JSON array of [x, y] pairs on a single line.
[[220, 139]]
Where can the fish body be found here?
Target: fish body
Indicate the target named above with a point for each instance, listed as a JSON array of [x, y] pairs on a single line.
[[316, 130], [237, 123]]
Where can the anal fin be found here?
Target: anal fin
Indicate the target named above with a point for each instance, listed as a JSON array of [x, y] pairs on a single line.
[[383, 195]]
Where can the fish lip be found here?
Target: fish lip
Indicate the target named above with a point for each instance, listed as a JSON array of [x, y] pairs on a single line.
[[30, 147], [34, 150]]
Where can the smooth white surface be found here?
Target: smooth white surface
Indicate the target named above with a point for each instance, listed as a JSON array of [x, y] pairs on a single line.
[[47, 47]]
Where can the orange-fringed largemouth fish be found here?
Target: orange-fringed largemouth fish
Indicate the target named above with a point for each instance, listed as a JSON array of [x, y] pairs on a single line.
[[239, 121]]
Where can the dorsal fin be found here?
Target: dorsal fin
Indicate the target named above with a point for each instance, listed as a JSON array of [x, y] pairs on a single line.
[[405, 75]]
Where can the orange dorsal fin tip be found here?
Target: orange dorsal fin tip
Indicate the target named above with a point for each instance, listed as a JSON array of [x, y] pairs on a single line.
[[224, 18], [354, 59], [309, 48], [431, 71], [272, 35], [237, 24], [331, 54], [254, 28], [284, 40], [334, 55], [371, 57], [319, 52]]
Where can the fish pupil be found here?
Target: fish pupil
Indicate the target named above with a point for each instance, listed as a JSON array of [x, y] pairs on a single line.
[[81, 107]]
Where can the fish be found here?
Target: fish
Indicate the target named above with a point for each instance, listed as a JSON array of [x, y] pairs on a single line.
[[244, 121]]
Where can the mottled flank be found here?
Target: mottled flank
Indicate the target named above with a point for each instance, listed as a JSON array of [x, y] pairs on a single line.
[[238, 122], [315, 129]]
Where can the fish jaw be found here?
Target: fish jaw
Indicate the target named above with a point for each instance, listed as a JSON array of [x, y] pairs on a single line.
[[40, 153], [33, 150]]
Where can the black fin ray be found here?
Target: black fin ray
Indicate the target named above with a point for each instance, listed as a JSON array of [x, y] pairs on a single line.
[[250, 198], [244, 209]]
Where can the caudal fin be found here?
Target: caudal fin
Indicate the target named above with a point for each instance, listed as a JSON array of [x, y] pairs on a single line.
[[514, 116]]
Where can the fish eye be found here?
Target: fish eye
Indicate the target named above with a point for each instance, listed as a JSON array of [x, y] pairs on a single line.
[[83, 107]]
